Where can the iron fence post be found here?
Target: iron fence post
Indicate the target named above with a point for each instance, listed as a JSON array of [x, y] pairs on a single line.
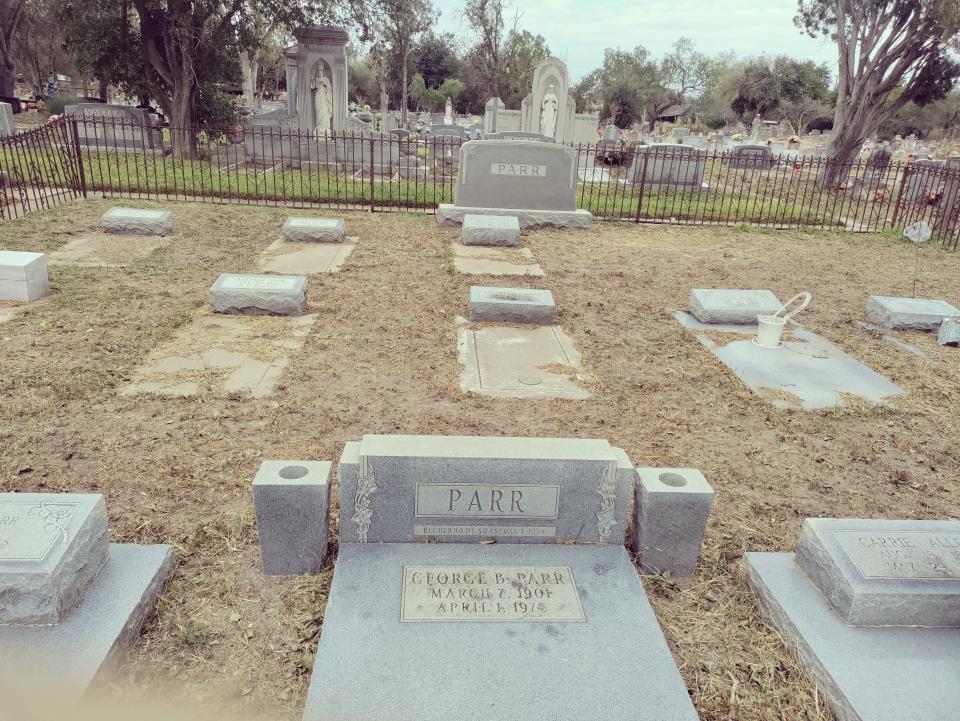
[[372, 166], [79, 154], [643, 182]]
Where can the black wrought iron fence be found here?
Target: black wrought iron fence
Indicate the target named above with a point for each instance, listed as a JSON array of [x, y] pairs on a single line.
[[269, 165]]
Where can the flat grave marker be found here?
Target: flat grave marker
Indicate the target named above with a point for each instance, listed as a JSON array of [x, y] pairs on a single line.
[[730, 305], [512, 305], [892, 313], [314, 230], [137, 221], [259, 294]]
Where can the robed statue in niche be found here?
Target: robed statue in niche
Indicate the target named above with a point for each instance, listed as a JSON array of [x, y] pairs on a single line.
[[548, 112], [322, 100]]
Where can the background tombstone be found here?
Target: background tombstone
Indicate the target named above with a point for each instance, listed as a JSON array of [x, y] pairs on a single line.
[[668, 165], [8, 125], [115, 126], [320, 52], [751, 157]]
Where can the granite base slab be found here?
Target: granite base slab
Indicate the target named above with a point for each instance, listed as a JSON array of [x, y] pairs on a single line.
[[137, 221], [865, 674], [92, 640], [451, 215], [808, 371], [598, 653]]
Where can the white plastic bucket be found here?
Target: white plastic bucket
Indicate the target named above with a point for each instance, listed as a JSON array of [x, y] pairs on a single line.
[[770, 330], [770, 327]]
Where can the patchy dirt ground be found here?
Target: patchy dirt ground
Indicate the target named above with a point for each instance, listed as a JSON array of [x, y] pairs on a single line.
[[382, 359]]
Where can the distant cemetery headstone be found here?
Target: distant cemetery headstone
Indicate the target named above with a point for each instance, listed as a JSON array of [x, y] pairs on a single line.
[[611, 132], [519, 135], [67, 593], [8, 126], [115, 126], [669, 165], [751, 157], [15, 104], [922, 176], [680, 133], [449, 131], [536, 182]]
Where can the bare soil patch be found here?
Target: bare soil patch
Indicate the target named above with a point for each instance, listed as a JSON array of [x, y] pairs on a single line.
[[382, 358]]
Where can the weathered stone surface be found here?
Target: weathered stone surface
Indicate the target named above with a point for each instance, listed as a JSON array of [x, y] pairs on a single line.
[[864, 673], [52, 545], [669, 517], [452, 215], [497, 230], [259, 294], [136, 221], [8, 126], [92, 641], [481, 260], [885, 572], [314, 230], [669, 165], [591, 649], [512, 305], [908, 313], [729, 305], [23, 276], [292, 503], [469, 488], [949, 332]]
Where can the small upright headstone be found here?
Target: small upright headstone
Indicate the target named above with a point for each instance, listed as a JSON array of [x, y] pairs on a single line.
[[949, 333], [23, 275], [892, 313], [611, 133], [136, 221], [8, 126], [314, 230], [259, 294], [496, 230], [729, 305], [292, 503], [512, 305]]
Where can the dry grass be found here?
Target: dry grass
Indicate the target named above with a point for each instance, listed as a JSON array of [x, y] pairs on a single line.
[[381, 358]]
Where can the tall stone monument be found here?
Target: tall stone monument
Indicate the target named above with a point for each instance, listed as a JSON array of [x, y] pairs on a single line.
[[317, 79]]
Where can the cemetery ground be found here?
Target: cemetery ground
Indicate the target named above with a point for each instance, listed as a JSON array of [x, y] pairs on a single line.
[[382, 358]]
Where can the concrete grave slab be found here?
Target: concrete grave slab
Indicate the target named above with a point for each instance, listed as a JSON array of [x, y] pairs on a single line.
[[471, 488], [538, 656], [807, 372], [892, 313], [248, 294], [23, 275], [865, 673], [512, 305], [223, 354], [884, 572], [728, 305], [92, 640], [52, 545], [670, 514], [295, 259], [477, 260], [314, 230], [103, 250], [136, 221], [896, 342], [507, 362], [292, 503], [495, 230]]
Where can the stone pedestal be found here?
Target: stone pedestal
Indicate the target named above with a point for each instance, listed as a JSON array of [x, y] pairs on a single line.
[[23, 275]]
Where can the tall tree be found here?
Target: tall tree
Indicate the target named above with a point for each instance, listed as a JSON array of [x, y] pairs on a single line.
[[890, 53], [625, 85], [379, 58], [11, 14], [486, 19], [39, 40], [400, 23], [522, 52], [685, 70]]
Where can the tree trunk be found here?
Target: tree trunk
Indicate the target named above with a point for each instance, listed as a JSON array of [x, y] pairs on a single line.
[[249, 67], [183, 117], [384, 104], [404, 99]]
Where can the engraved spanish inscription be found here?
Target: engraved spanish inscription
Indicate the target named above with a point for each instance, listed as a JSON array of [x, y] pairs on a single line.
[[489, 593], [902, 554], [29, 531]]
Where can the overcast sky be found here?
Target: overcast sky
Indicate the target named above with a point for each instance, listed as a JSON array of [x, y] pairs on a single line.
[[577, 31]]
